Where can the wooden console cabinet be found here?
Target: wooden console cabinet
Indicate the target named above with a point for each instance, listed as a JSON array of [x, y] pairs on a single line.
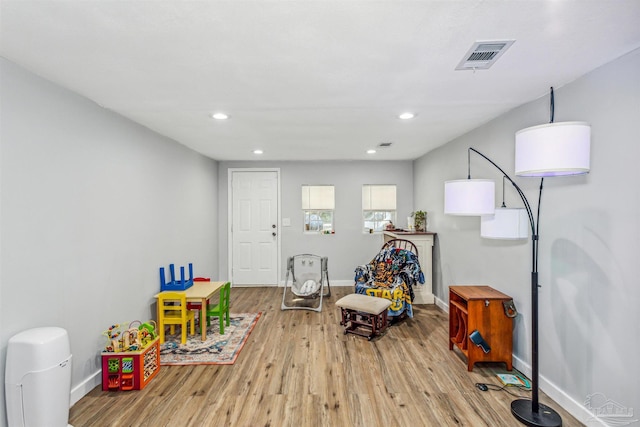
[[424, 243], [480, 308]]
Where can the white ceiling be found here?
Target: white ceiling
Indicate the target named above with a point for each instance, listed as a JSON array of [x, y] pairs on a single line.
[[320, 80]]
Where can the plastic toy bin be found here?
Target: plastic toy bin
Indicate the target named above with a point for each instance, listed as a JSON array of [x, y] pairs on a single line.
[[130, 370], [38, 378]]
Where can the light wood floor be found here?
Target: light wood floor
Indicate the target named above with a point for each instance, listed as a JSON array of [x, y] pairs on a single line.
[[299, 369]]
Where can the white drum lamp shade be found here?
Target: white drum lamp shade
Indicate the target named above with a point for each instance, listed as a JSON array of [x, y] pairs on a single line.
[[471, 197], [505, 223], [553, 149]]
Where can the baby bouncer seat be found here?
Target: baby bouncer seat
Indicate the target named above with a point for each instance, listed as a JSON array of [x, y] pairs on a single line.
[[309, 277]]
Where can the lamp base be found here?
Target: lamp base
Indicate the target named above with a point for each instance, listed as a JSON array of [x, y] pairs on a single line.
[[522, 409]]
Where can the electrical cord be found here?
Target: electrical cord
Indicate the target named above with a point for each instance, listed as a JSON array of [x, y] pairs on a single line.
[[487, 387]]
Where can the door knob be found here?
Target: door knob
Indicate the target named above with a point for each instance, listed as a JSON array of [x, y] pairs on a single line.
[[273, 234]]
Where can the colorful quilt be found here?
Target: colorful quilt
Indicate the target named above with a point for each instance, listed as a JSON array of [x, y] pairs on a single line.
[[391, 275]]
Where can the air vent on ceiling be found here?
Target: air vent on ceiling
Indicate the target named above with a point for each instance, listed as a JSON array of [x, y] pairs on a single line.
[[385, 144], [483, 55]]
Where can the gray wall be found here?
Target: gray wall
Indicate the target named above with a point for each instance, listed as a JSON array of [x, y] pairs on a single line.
[[91, 206], [589, 239], [349, 246]]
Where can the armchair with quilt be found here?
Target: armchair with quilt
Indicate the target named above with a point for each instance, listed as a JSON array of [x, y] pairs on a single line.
[[391, 274]]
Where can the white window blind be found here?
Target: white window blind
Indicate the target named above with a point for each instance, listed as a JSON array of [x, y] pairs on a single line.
[[379, 197], [319, 197]]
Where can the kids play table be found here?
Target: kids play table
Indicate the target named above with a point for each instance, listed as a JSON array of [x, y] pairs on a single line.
[[200, 293]]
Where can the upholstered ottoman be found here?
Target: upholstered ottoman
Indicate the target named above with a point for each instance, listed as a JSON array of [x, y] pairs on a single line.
[[363, 311]]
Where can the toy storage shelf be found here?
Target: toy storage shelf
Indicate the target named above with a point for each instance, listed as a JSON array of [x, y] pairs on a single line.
[[130, 370], [480, 308]]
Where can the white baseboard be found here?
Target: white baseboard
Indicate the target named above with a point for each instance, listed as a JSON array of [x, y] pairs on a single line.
[[440, 303], [558, 395], [340, 283], [82, 389], [94, 380], [569, 404], [577, 409], [332, 283]]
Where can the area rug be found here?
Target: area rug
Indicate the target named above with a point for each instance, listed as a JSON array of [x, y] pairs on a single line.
[[216, 350]]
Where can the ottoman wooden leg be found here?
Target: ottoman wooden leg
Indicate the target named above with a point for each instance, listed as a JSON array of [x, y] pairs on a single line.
[[365, 312]]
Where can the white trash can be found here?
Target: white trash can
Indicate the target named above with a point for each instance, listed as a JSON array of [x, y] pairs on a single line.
[[38, 378]]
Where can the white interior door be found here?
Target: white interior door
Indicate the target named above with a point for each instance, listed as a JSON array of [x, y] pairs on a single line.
[[254, 232]]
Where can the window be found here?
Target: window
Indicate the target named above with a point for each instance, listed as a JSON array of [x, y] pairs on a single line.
[[378, 206], [318, 203]]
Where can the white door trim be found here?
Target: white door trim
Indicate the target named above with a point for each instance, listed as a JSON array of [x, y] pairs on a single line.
[[230, 172]]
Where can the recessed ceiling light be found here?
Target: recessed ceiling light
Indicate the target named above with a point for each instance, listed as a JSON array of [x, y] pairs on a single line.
[[220, 116], [406, 116], [371, 151], [258, 151]]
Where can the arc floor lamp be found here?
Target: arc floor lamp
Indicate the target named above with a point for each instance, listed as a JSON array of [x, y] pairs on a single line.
[[553, 149]]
